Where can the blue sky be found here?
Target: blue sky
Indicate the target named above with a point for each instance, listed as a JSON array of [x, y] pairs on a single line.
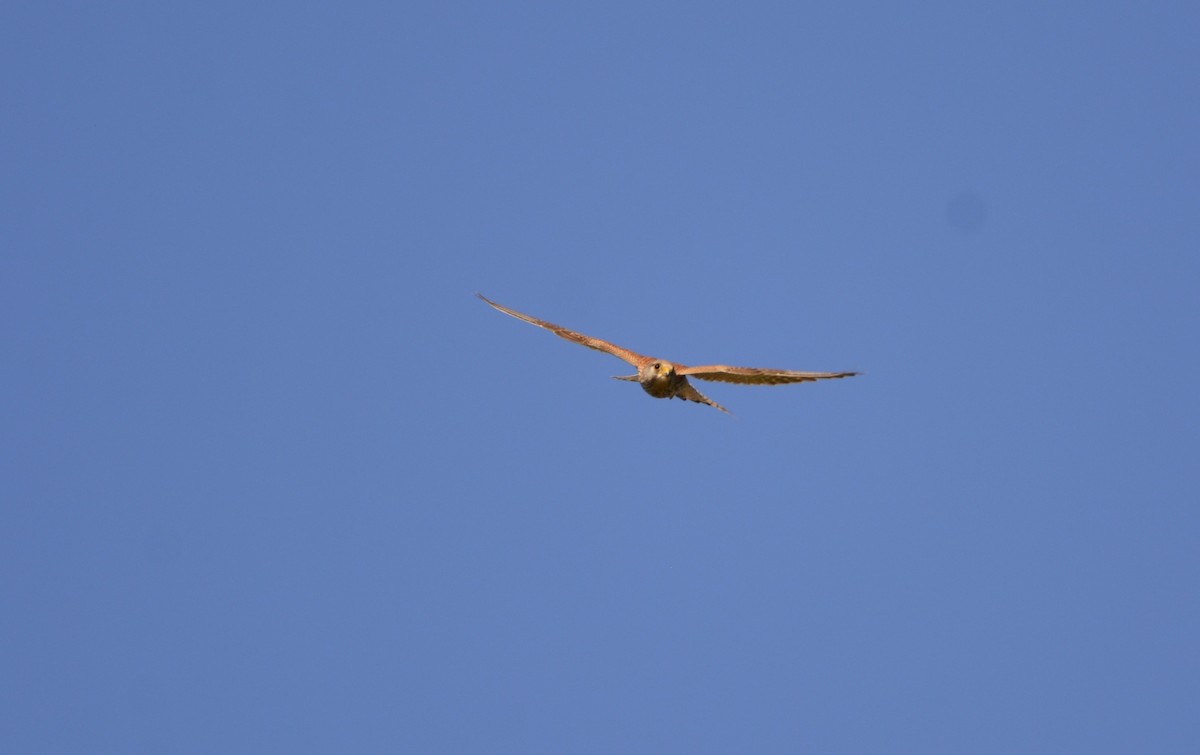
[[275, 481]]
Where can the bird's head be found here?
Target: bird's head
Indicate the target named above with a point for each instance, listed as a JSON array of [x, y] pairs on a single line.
[[655, 371]]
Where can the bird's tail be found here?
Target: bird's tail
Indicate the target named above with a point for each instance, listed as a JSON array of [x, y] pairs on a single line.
[[689, 393]]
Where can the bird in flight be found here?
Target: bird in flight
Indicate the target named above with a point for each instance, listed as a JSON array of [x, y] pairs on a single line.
[[663, 379]]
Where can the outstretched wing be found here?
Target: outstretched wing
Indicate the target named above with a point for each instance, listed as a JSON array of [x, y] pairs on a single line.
[[632, 357], [756, 376]]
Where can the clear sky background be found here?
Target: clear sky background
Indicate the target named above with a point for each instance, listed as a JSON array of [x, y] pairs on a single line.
[[275, 481]]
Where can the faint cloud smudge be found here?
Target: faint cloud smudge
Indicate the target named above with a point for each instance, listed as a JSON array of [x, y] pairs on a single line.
[[967, 212]]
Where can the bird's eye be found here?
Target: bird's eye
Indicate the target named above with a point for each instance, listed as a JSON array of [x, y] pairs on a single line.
[[657, 366]]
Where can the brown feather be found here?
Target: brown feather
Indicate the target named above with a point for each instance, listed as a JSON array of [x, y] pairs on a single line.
[[632, 357], [756, 375], [689, 392]]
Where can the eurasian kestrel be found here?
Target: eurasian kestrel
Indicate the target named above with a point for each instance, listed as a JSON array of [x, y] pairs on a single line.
[[663, 379]]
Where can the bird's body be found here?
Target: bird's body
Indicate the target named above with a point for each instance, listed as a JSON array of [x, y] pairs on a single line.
[[663, 379]]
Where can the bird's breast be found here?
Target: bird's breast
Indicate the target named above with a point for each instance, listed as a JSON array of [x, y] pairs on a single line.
[[662, 386]]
